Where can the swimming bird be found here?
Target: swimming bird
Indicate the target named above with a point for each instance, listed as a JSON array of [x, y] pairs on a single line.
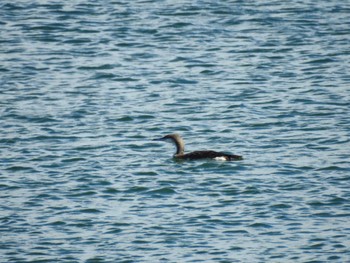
[[181, 155]]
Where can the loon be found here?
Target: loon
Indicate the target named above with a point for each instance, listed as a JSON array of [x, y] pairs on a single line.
[[181, 155]]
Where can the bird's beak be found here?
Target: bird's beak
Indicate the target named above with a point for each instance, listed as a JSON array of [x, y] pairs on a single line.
[[159, 139]]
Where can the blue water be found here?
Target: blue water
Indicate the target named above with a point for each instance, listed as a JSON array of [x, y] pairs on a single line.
[[86, 85]]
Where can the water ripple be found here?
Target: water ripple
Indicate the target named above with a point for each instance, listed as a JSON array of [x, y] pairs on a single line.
[[85, 87]]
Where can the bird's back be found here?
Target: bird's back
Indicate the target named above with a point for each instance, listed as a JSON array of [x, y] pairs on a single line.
[[209, 155]]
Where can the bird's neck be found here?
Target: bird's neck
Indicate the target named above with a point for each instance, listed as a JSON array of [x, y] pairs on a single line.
[[180, 148]]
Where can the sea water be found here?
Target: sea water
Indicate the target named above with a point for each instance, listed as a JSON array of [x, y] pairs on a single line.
[[86, 85]]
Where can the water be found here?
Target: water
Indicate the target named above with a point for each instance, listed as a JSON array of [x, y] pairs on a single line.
[[86, 86]]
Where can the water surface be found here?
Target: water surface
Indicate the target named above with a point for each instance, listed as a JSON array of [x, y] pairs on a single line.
[[86, 86]]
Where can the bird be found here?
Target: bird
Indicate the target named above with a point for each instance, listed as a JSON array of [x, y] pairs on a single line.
[[181, 155]]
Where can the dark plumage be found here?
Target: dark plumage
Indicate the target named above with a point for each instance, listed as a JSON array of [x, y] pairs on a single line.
[[209, 155], [180, 151]]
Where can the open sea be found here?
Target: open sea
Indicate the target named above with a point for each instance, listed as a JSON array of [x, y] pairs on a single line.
[[85, 86]]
